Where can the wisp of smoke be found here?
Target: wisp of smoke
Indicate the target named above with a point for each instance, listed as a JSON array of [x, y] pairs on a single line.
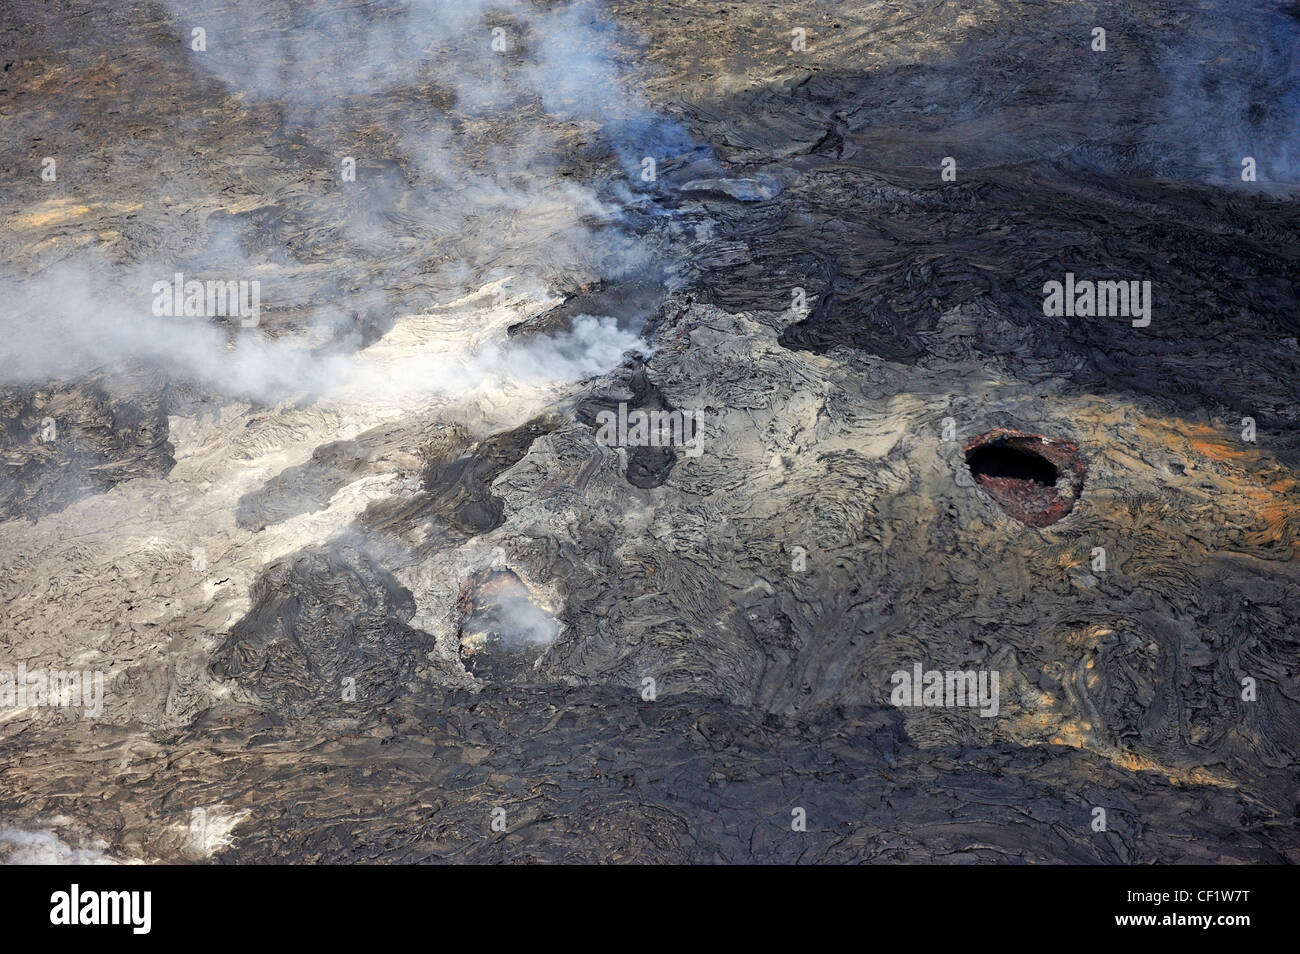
[[1233, 91], [43, 847], [74, 321], [502, 205]]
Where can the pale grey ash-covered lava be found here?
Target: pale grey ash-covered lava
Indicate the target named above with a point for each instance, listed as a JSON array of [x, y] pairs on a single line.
[[553, 430]]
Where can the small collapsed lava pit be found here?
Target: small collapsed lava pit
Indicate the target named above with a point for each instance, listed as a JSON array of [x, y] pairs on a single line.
[[501, 623], [1035, 479]]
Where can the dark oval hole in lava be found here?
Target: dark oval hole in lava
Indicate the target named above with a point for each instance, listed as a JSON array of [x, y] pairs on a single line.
[[1033, 478], [999, 460]]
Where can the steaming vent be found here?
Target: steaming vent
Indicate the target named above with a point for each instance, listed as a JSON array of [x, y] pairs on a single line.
[[501, 623], [1034, 479]]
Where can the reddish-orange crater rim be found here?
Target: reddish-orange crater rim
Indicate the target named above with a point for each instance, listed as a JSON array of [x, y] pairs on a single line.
[[1032, 504]]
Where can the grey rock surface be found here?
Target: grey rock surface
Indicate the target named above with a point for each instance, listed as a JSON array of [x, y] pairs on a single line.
[[274, 542]]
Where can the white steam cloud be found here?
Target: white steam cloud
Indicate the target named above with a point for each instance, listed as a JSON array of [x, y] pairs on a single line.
[[18, 847], [74, 319], [477, 104]]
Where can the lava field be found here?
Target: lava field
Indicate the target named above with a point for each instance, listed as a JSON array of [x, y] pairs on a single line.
[[664, 432]]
